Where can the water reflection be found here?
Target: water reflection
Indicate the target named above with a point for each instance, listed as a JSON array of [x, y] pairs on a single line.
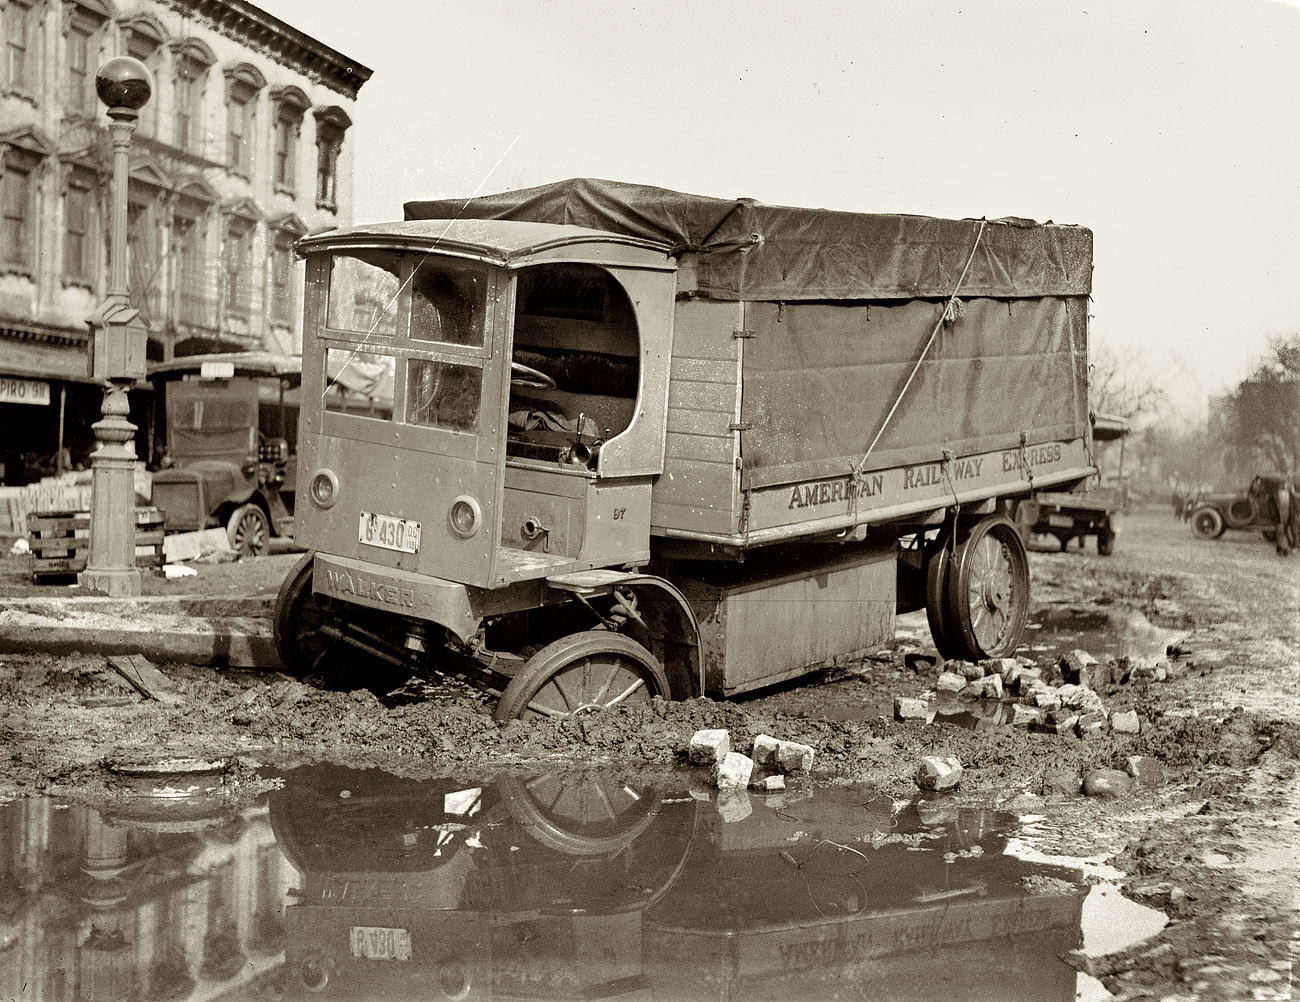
[[161, 904], [364, 885]]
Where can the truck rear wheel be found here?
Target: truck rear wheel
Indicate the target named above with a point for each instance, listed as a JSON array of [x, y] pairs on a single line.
[[249, 531], [1207, 523], [988, 590], [580, 673]]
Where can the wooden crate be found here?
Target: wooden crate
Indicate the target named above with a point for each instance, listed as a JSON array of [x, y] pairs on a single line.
[[60, 541]]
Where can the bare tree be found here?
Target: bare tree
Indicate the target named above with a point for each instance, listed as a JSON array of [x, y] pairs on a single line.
[[1120, 383]]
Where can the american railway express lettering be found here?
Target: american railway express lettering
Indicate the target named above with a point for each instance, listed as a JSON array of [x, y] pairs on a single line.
[[1034, 455], [830, 491], [933, 473]]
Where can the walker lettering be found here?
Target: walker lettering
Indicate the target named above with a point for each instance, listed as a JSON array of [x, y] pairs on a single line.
[[360, 586]]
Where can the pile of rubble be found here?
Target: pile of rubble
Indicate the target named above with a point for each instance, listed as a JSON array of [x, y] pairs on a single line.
[[1062, 698]]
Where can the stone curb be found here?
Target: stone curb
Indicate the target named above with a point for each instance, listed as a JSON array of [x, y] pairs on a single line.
[[218, 645]]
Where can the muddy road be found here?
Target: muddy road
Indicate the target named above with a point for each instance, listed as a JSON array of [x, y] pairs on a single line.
[[1198, 642]]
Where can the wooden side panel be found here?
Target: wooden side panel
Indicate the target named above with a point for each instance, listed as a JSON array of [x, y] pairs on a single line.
[[699, 488], [763, 626]]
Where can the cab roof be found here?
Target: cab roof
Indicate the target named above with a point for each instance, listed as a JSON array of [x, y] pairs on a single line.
[[511, 244]]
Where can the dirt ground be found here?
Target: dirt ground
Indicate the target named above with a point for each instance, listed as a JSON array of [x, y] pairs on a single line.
[[1210, 635]]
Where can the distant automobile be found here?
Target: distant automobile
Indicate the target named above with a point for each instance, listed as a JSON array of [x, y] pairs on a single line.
[[1255, 509]]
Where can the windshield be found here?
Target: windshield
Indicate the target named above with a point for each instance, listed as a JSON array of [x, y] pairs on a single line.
[[392, 318]]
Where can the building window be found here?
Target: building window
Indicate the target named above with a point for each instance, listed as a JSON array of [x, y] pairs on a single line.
[[192, 61], [243, 84], [331, 123], [240, 122], [238, 264], [192, 304], [16, 204], [287, 130], [146, 49], [17, 21], [282, 278], [77, 99], [78, 240], [83, 23]]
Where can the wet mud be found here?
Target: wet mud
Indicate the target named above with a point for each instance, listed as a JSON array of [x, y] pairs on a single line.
[[1212, 842]]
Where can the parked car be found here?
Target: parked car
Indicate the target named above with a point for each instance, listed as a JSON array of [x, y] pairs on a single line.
[[1253, 510]]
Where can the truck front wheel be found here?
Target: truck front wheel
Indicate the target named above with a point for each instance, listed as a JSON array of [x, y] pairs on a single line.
[[580, 673], [307, 636]]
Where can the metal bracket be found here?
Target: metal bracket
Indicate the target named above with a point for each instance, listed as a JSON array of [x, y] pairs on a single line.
[[740, 426]]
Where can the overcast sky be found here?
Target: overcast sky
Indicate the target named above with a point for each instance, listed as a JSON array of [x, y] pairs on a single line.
[[1168, 127]]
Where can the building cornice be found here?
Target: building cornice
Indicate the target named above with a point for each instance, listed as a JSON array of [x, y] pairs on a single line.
[[267, 34], [22, 330]]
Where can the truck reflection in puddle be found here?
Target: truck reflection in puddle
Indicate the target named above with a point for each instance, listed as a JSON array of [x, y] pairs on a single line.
[[589, 887], [366, 886]]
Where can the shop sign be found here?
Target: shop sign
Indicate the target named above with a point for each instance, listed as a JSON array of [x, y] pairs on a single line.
[[24, 391]]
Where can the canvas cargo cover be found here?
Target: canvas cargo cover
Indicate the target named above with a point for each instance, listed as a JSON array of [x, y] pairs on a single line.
[[750, 251]]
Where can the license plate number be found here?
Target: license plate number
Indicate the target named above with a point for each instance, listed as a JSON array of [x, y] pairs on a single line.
[[389, 533], [371, 942], [1060, 521]]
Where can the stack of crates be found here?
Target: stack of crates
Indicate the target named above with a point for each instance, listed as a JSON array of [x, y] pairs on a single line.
[[60, 541]]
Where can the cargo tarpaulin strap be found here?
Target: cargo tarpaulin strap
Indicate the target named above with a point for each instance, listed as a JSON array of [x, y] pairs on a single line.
[[750, 251]]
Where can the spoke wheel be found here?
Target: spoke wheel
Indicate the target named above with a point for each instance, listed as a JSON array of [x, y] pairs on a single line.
[[249, 531], [309, 654], [988, 589], [579, 816], [582, 673]]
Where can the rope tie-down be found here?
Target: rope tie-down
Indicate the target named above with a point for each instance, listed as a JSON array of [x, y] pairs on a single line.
[[952, 309]]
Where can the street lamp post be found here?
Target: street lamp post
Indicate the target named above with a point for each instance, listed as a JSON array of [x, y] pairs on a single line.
[[117, 358]]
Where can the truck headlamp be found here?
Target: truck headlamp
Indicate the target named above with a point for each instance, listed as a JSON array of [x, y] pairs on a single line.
[[464, 516], [324, 488]]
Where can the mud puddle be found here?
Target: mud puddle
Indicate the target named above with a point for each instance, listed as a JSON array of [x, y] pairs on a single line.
[[361, 884]]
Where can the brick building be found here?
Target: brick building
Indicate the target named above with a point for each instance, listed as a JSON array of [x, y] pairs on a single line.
[[244, 147]]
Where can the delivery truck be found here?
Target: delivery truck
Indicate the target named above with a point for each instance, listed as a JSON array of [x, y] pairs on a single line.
[[637, 443]]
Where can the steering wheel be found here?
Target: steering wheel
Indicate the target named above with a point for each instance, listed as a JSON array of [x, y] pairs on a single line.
[[526, 375]]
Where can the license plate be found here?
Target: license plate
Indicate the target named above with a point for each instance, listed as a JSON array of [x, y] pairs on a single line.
[[1060, 521], [370, 942], [390, 533]]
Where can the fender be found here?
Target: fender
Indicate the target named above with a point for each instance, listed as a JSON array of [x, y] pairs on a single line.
[[668, 618]]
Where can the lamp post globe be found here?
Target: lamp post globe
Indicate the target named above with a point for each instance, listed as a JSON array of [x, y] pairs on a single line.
[[125, 83]]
